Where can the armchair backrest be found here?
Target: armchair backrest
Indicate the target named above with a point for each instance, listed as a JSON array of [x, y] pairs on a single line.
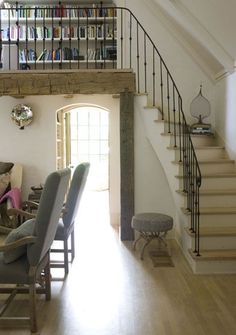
[[75, 192], [48, 214]]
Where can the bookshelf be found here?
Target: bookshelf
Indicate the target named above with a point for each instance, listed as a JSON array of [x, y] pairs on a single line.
[[63, 34]]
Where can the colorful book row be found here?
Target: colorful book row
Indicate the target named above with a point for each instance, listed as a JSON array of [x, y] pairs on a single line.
[[65, 11], [105, 53], [39, 32]]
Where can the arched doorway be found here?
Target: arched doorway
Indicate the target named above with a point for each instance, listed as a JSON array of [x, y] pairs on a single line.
[[88, 132]]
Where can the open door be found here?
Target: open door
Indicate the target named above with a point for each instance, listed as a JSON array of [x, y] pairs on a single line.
[[63, 140]]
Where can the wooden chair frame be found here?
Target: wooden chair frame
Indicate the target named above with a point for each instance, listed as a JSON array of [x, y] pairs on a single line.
[[34, 278]]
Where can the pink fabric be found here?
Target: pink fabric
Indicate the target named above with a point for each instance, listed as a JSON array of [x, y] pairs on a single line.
[[14, 195]]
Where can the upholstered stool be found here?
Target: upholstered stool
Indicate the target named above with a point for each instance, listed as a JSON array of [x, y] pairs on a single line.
[[151, 226]]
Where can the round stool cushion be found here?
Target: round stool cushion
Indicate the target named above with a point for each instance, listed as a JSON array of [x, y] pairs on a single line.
[[152, 222]]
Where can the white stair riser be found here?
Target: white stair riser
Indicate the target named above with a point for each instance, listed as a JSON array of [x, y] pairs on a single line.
[[198, 141], [203, 140], [217, 167], [216, 220], [215, 200], [216, 242], [209, 168], [214, 183], [208, 154], [215, 267], [204, 154]]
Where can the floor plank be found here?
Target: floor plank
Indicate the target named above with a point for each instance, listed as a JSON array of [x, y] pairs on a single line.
[[110, 291]]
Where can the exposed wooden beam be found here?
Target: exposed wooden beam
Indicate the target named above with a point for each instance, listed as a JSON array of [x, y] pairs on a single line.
[[66, 82]]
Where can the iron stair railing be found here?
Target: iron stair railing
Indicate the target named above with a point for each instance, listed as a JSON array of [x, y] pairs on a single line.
[[64, 35]]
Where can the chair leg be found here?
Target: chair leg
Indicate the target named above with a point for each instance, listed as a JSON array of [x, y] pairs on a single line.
[[66, 259], [32, 303], [72, 239], [47, 282]]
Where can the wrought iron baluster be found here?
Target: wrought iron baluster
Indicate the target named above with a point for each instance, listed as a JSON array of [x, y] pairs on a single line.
[[78, 36], [130, 42], [87, 38], [96, 37], [161, 85], [180, 129], [1, 38], [145, 62], [121, 39], [70, 52], [168, 102], [198, 179], [137, 56], [34, 36], [45, 32], [153, 78], [26, 40], [18, 37], [52, 42], [114, 47], [174, 111], [104, 40]]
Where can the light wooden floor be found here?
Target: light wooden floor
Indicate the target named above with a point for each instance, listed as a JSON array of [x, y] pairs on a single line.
[[109, 291]]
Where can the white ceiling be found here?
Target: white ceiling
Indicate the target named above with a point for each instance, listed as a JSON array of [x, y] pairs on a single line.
[[208, 27]]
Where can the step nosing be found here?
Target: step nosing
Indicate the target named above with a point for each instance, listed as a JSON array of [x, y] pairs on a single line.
[[213, 210], [215, 232], [212, 192], [214, 175], [214, 255]]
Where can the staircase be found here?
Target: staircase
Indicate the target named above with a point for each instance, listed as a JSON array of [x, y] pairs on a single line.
[[217, 195], [217, 208]]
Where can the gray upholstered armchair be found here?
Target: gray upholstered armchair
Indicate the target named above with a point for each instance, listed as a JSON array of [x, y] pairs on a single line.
[[65, 227], [25, 255]]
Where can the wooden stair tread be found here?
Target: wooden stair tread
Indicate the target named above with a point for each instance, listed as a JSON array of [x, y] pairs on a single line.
[[215, 175], [155, 107], [214, 210], [212, 192], [215, 231], [210, 161], [208, 147], [193, 135], [215, 255], [219, 210]]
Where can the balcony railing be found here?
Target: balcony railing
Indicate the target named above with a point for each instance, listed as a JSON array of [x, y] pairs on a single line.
[[65, 37]]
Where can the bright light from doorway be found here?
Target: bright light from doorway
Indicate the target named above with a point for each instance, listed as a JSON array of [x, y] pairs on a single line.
[[90, 143]]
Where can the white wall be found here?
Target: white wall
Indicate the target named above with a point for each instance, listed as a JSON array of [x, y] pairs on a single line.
[[152, 191], [225, 102], [187, 74], [35, 146]]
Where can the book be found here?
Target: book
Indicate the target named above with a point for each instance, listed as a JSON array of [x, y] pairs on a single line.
[[42, 55]]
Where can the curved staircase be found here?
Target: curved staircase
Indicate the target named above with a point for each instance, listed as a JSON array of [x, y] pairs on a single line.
[[217, 195], [217, 207]]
